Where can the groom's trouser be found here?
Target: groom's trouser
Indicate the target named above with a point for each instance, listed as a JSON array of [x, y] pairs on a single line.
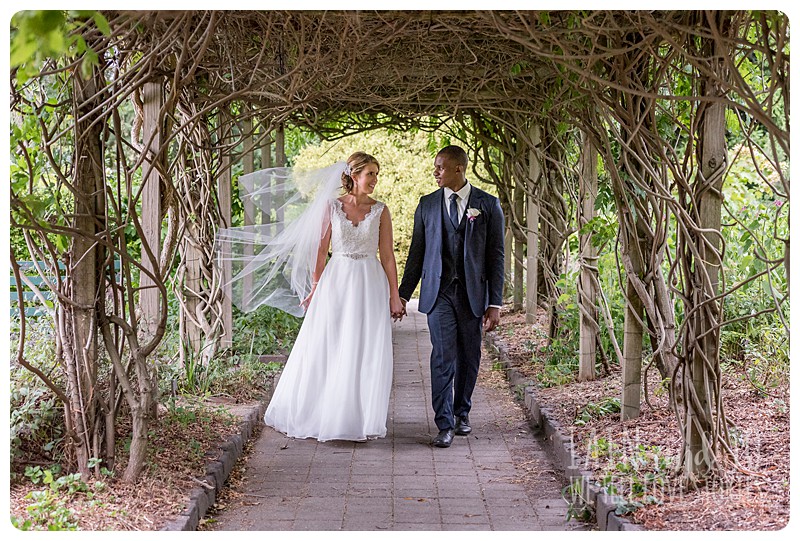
[[456, 340]]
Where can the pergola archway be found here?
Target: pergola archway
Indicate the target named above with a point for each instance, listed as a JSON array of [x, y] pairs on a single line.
[[646, 92]]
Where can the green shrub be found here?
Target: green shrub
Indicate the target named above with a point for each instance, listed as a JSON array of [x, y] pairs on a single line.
[[593, 411], [37, 417], [242, 376], [265, 331], [50, 509], [639, 476]]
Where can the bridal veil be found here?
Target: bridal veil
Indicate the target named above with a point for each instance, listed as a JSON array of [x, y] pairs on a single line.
[[272, 263]]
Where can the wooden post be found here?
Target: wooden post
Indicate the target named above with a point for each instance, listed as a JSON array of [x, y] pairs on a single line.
[[224, 196], [707, 265], [280, 161], [280, 147], [266, 163], [632, 339], [192, 285], [78, 322], [633, 335], [531, 297], [587, 290], [152, 98], [248, 166], [519, 246]]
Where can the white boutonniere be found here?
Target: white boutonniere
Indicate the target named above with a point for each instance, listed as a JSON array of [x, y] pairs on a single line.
[[472, 214]]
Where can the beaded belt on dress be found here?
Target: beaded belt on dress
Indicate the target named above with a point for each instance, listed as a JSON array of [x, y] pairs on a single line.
[[351, 255]]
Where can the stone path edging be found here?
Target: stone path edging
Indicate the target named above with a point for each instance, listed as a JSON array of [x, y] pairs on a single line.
[[604, 505], [217, 472], [560, 443]]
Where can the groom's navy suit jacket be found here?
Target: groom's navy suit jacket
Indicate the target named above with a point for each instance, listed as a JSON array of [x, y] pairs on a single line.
[[483, 252]]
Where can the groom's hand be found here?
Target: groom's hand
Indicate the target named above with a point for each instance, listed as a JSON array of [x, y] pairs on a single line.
[[397, 307], [491, 318], [400, 312]]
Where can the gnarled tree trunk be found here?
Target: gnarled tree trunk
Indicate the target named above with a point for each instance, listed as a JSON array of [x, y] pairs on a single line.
[[77, 315], [704, 422]]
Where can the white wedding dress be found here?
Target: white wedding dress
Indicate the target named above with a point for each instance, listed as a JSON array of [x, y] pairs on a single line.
[[337, 380]]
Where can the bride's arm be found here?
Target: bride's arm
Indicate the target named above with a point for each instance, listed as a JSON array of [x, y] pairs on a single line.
[[322, 257], [386, 250], [322, 254]]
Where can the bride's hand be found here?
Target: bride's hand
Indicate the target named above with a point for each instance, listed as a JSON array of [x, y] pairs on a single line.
[[396, 308], [307, 300]]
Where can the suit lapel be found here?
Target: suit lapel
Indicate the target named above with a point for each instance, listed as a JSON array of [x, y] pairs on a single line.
[[436, 211], [472, 202]]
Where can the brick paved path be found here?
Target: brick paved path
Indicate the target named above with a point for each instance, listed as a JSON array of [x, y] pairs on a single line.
[[498, 478]]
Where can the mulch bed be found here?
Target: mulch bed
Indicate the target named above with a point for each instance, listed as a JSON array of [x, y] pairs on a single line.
[[740, 501], [180, 446], [745, 502]]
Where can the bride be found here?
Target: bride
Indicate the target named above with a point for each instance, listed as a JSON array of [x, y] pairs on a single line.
[[337, 379]]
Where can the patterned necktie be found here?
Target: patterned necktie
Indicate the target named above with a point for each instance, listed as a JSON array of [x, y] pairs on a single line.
[[454, 209]]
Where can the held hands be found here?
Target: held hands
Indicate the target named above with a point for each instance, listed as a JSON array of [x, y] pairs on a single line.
[[397, 307]]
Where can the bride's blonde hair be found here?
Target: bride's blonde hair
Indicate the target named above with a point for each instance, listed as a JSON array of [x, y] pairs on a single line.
[[355, 163]]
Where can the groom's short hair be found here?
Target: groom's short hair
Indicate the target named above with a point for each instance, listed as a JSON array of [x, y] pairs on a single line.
[[455, 153]]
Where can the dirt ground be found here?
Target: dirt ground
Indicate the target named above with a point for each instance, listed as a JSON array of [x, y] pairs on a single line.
[[179, 448], [641, 454]]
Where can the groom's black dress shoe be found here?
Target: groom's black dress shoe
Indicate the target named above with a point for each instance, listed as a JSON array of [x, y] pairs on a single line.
[[462, 426], [444, 438]]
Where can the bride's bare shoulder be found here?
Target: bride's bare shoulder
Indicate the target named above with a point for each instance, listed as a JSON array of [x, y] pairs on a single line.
[[384, 208]]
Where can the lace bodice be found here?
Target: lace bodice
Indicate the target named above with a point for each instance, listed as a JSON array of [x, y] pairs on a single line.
[[355, 241]]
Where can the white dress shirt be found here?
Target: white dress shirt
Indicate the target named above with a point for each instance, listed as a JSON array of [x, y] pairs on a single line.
[[461, 201]]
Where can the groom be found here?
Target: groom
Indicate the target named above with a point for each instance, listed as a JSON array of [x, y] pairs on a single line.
[[457, 251]]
